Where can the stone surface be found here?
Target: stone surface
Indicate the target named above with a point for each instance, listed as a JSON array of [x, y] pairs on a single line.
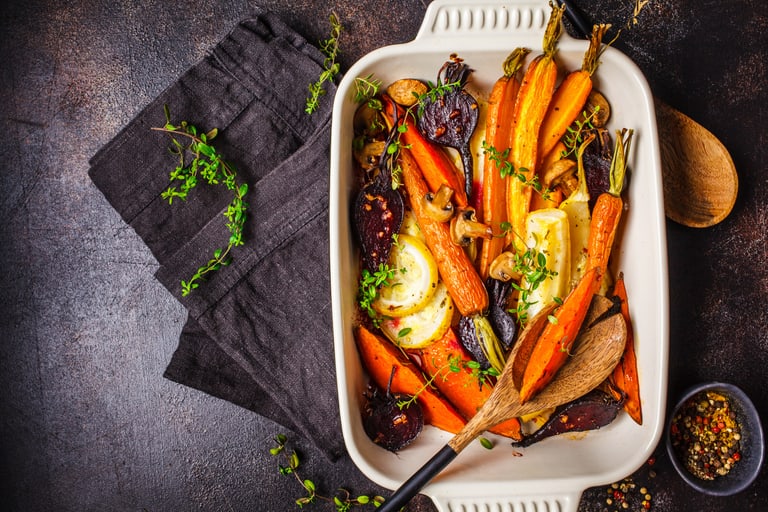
[[87, 421]]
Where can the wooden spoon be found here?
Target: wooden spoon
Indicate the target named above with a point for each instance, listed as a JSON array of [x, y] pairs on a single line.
[[699, 177], [597, 353]]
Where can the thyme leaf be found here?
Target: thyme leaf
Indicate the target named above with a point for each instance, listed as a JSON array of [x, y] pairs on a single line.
[[505, 167], [532, 266], [343, 501], [331, 68], [368, 290], [206, 164]]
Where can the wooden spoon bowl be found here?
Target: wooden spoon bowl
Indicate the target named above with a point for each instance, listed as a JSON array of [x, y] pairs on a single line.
[[699, 178], [597, 352]]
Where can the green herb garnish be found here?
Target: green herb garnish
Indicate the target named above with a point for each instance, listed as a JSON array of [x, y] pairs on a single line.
[[532, 266], [368, 290], [330, 48], [343, 500], [506, 169], [206, 164]]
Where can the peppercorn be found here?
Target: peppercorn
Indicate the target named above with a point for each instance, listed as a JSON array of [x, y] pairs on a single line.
[[705, 434]]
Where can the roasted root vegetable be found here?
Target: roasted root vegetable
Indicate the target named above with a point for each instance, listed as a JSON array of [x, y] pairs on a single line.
[[454, 266], [498, 124], [531, 105], [594, 410], [413, 281], [449, 115], [478, 337], [388, 422], [606, 214], [502, 321], [379, 357], [423, 326], [571, 95], [460, 380], [548, 233], [625, 378], [435, 164], [377, 214], [576, 206], [557, 338]]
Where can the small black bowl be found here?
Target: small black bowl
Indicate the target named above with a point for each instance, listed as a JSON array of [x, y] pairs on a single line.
[[752, 448]]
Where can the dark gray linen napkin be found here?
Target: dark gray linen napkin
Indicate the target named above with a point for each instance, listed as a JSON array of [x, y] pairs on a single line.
[[258, 331]]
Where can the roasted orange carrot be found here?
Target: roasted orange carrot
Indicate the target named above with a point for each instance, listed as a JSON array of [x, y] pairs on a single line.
[[456, 270], [624, 376], [379, 356], [555, 341], [606, 214], [461, 388], [571, 95], [435, 164], [498, 124], [530, 108]]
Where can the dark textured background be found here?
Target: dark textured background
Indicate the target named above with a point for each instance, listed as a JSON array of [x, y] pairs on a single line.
[[87, 421]]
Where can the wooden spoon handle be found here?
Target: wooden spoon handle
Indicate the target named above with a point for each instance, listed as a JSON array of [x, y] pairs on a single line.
[[418, 480]]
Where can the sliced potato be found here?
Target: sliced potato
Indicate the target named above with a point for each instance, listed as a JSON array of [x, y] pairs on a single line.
[[414, 280], [424, 326]]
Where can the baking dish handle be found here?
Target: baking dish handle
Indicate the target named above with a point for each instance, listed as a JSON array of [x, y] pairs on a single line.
[[554, 502], [451, 18]]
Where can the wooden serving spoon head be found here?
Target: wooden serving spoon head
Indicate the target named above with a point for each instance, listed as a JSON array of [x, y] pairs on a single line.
[[699, 177]]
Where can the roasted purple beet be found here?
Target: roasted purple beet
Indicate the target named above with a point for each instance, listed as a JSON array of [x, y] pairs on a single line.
[[388, 422], [590, 412], [503, 323], [597, 164], [469, 340], [449, 114], [378, 213]]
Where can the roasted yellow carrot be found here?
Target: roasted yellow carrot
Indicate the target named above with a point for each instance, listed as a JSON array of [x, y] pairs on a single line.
[[571, 95], [531, 105], [456, 269], [497, 131]]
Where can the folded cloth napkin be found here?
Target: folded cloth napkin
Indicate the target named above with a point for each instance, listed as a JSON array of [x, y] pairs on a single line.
[[258, 331]]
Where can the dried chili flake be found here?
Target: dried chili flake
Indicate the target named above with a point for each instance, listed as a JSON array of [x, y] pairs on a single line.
[[706, 434]]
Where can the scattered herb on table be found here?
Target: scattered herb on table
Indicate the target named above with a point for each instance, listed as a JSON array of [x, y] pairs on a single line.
[[330, 48], [206, 164], [343, 500]]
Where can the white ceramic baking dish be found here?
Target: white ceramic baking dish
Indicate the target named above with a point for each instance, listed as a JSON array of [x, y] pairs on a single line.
[[552, 474]]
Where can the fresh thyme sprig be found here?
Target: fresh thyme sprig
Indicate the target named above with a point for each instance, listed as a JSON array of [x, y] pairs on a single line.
[[330, 48], [457, 364], [436, 91], [532, 266], [506, 168], [366, 90], [209, 165], [574, 135], [343, 500], [368, 290]]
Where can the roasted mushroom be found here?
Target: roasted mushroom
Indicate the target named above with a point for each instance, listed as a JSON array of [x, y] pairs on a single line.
[[406, 91], [438, 205], [503, 267], [465, 227]]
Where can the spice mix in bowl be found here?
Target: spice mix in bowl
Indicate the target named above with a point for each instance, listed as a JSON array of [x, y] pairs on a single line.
[[715, 440]]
